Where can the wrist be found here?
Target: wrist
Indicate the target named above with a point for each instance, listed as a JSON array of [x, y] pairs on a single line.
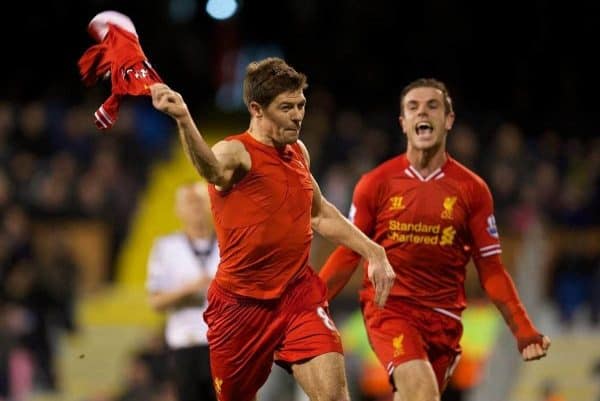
[[184, 121], [374, 251]]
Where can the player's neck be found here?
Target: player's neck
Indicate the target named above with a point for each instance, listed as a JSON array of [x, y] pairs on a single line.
[[262, 135], [259, 136], [426, 161]]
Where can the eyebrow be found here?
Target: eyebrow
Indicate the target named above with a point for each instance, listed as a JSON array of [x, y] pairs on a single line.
[[413, 102]]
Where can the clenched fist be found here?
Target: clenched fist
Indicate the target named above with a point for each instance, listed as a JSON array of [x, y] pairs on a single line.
[[168, 101]]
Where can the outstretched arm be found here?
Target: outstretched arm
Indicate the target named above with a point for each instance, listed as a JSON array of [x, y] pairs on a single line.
[[331, 224], [501, 290], [493, 276], [218, 164]]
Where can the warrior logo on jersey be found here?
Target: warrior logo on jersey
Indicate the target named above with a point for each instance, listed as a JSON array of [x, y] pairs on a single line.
[[449, 203], [491, 226], [396, 203], [352, 213]]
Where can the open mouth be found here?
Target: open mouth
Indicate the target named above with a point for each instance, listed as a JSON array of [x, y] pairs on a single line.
[[424, 127]]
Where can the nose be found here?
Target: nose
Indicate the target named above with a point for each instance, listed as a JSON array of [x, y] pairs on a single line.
[[296, 115]]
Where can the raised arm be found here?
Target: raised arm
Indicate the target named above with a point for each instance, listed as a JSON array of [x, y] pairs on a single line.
[[217, 165], [331, 224]]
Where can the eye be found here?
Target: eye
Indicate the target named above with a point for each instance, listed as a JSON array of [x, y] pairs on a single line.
[[434, 104]]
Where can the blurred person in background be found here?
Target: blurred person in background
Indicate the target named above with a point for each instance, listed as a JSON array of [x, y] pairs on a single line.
[[266, 303], [432, 215], [180, 269]]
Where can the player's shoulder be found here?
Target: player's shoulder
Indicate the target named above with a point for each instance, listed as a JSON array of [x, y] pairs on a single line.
[[232, 142], [384, 171], [240, 136]]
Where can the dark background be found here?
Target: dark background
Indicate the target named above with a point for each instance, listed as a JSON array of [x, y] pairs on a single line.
[[533, 62]]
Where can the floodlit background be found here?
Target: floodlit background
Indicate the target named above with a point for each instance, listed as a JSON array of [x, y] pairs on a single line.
[[81, 208]]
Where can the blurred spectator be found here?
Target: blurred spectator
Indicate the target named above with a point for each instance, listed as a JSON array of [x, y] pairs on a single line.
[[53, 187], [7, 126], [463, 145], [32, 132], [181, 267], [573, 280]]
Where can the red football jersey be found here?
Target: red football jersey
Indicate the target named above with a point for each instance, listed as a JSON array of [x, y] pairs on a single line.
[[429, 226], [263, 223]]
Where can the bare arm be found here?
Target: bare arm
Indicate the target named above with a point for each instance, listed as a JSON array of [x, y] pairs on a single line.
[[331, 224], [219, 164], [188, 295]]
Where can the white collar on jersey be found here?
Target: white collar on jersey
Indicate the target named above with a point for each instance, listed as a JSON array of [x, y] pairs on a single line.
[[413, 173]]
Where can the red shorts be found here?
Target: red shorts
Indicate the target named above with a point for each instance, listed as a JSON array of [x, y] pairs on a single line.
[[402, 332], [246, 335]]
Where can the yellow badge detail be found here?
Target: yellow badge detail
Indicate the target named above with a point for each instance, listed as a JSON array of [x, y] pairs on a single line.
[[449, 203], [398, 345], [218, 383], [448, 234], [396, 203]]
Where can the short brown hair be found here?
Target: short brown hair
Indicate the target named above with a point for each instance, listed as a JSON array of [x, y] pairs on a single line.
[[267, 78], [427, 83]]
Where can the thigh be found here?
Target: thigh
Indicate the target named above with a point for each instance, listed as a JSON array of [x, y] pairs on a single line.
[[394, 337], [415, 380], [323, 377], [444, 352], [242, 339], [309, 331]]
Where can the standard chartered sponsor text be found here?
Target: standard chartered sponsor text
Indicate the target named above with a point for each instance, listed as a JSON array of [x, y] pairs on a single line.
[[420, 233]]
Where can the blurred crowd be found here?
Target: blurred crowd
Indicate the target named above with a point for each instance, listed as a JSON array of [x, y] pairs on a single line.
[[55, 166]]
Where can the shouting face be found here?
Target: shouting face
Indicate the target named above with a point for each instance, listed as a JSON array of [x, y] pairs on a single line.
[[424, 118]]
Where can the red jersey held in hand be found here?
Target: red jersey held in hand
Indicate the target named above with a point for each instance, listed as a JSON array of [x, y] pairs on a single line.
[[263, 223]]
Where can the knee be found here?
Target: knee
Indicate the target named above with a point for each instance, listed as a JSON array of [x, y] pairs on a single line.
[[338, 397], [334, 395], [421, 395], [417, 392]]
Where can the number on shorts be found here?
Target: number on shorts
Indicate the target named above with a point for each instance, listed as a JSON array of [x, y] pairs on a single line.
[[326, 319]]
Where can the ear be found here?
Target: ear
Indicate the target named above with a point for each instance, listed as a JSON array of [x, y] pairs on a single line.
[[401, 122], [449, 121], [255, 109]]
